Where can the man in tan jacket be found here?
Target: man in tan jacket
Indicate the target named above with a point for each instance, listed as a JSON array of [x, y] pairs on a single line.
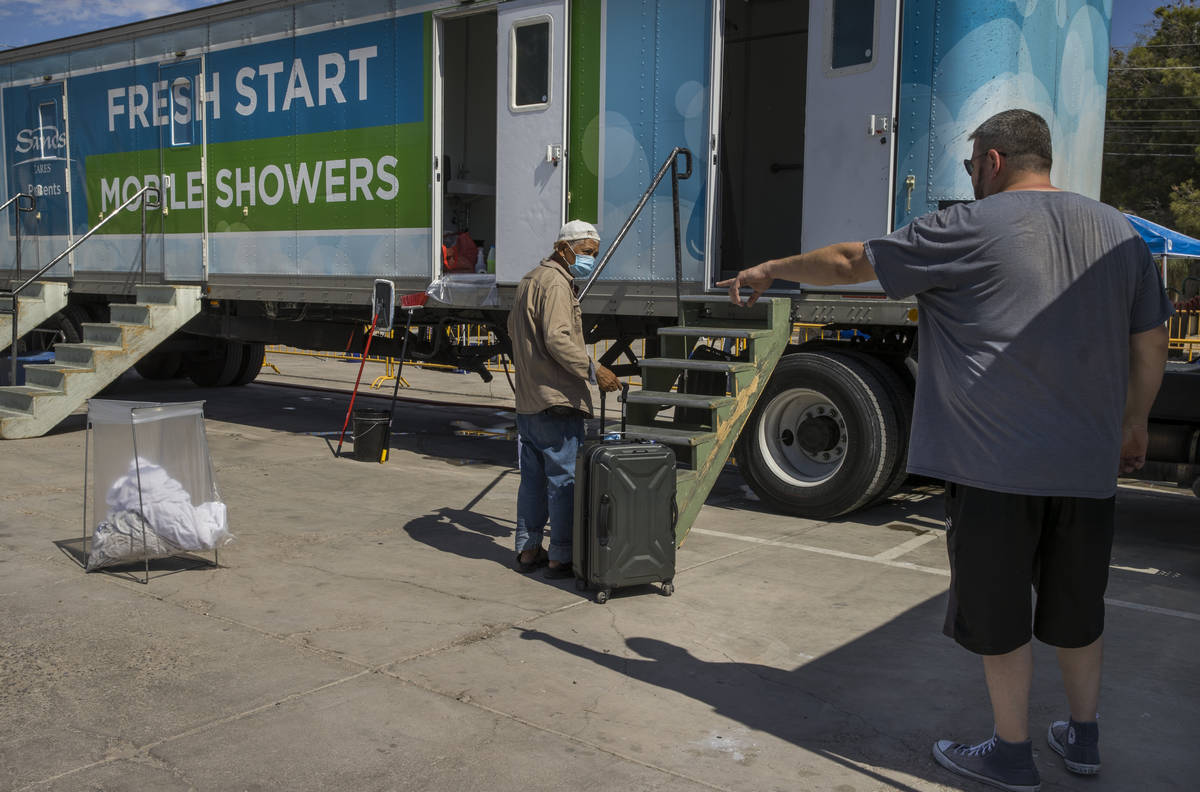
[[553, 397]]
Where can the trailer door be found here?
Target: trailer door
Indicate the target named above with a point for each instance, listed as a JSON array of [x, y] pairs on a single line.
[[39, 158], [850, 109], [181, 146], [530, 132]]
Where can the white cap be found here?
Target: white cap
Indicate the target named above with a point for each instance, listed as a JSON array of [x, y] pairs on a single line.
[[577, 229]]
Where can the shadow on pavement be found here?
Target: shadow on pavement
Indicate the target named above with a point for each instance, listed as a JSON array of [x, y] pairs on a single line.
[[77, 550], [897, 673]]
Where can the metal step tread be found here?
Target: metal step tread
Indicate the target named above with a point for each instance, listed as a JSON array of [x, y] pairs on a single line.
[[698, 400], [90, 345], [718, 298], [66, 368], [707, 331], [718, 366], [32, 391], [667, 436]]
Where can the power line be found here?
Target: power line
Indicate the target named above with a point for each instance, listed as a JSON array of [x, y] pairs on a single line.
[[1148, 98], [1140, 143], [1150, 68], [1154, 46], [1121, 154]]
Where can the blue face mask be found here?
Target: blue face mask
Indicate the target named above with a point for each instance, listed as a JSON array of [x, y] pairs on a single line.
[[583, 266]]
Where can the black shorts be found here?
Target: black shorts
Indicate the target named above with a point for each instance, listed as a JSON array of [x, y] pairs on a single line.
[[1003, 547]]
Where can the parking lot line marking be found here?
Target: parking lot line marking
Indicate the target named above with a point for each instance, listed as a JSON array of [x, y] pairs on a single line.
[[1153, 609], [824, 551], [1144, 571], [910, 545], [878, 559]]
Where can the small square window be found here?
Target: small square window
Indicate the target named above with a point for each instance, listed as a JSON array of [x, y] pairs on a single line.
[[182, 112], [531, 63], [48, 131], [853, 33]]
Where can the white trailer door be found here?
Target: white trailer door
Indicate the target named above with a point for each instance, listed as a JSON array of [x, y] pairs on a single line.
[[850, 107], [181, 148], [531, 132]]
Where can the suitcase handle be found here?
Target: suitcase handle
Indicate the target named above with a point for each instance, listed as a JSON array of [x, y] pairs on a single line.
[[674, 514], [602, 521]]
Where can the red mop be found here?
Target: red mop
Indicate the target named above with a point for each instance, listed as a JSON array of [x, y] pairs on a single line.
[[350, 409]]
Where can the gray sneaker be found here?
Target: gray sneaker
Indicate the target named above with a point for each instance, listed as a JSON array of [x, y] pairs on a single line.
[[1002, 764], [1078, 744]]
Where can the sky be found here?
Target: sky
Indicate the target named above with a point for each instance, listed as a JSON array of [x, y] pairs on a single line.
[[30, 21]]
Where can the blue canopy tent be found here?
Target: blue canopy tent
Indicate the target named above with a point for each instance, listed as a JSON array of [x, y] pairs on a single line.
[[1165, 242]]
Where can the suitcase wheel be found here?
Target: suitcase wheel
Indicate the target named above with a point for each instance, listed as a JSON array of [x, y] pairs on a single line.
[[580, 584], [602, 596], [668, 588]]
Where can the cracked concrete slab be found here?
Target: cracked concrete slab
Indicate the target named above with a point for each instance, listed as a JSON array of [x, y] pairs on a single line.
[[365, 632]]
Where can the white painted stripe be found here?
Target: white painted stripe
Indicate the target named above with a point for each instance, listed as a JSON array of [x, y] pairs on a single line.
[[885, 559], [1153, 609], [911, 544], [822, 551], [1146, 571]]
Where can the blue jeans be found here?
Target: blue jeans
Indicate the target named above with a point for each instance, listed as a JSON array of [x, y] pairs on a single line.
[[548, 446]]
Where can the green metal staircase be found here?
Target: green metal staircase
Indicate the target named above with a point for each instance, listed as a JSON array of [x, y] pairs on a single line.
[[702, 419]]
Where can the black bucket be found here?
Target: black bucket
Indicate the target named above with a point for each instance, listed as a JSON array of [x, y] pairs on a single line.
[[371, 434]]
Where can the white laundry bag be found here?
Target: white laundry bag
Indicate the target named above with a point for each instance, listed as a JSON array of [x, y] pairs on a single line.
[[153, 491]]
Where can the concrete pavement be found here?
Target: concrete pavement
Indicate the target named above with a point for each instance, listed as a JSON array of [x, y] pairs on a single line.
[[365, 631]]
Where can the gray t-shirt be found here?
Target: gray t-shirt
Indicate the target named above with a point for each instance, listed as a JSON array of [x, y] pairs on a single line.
[[1026, 303]]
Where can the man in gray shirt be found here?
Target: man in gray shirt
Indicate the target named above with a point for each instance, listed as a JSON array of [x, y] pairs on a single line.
[[1041, 325]]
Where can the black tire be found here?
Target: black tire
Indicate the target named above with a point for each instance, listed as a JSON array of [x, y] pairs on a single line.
[[160, 365], [601, 597], [668, 588], [824, 437], [901, 394], [65, 327], [216, 368], [253, 356]]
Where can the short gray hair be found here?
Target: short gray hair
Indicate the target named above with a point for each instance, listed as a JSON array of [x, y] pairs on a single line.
[[1023, 136]]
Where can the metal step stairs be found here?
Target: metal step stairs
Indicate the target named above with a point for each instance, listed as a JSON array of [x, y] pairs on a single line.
[[37, 303], [54, 391], [702, 419]]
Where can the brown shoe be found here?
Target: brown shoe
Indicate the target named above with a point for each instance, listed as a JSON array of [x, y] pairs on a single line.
[[540, 558]]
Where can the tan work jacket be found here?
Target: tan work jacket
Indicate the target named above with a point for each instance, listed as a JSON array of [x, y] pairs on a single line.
[[546, 328]]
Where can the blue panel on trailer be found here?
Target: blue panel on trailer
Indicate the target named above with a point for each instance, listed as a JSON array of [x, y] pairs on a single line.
[[1050, 58], [962, 63], [656, 70]]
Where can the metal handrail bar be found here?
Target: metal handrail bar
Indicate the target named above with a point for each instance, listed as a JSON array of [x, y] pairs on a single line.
[[17, 233], [145, 205], [672, 165], [15, 293]]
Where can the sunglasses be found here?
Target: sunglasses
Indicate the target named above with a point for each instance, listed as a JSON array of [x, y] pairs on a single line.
[[969, 164]]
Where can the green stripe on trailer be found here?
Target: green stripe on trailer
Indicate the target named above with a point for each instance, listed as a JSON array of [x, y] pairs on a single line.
[[583, 161]]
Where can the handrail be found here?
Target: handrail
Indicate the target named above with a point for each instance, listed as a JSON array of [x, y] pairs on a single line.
[[17, 234], [672, 164], [145, 205], [15, 293]]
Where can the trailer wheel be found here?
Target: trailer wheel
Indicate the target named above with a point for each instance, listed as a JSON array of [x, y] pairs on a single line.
[[823, 438], [901, 394], [253, 356], [160, 365], [65, 327], [216, 368]]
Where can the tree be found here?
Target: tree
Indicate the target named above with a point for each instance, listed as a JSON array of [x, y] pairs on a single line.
[[1152, 132]]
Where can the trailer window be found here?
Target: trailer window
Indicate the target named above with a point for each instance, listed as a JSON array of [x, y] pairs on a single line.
[[531, 63], [181, 112], [47, 129], [853, 33]]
